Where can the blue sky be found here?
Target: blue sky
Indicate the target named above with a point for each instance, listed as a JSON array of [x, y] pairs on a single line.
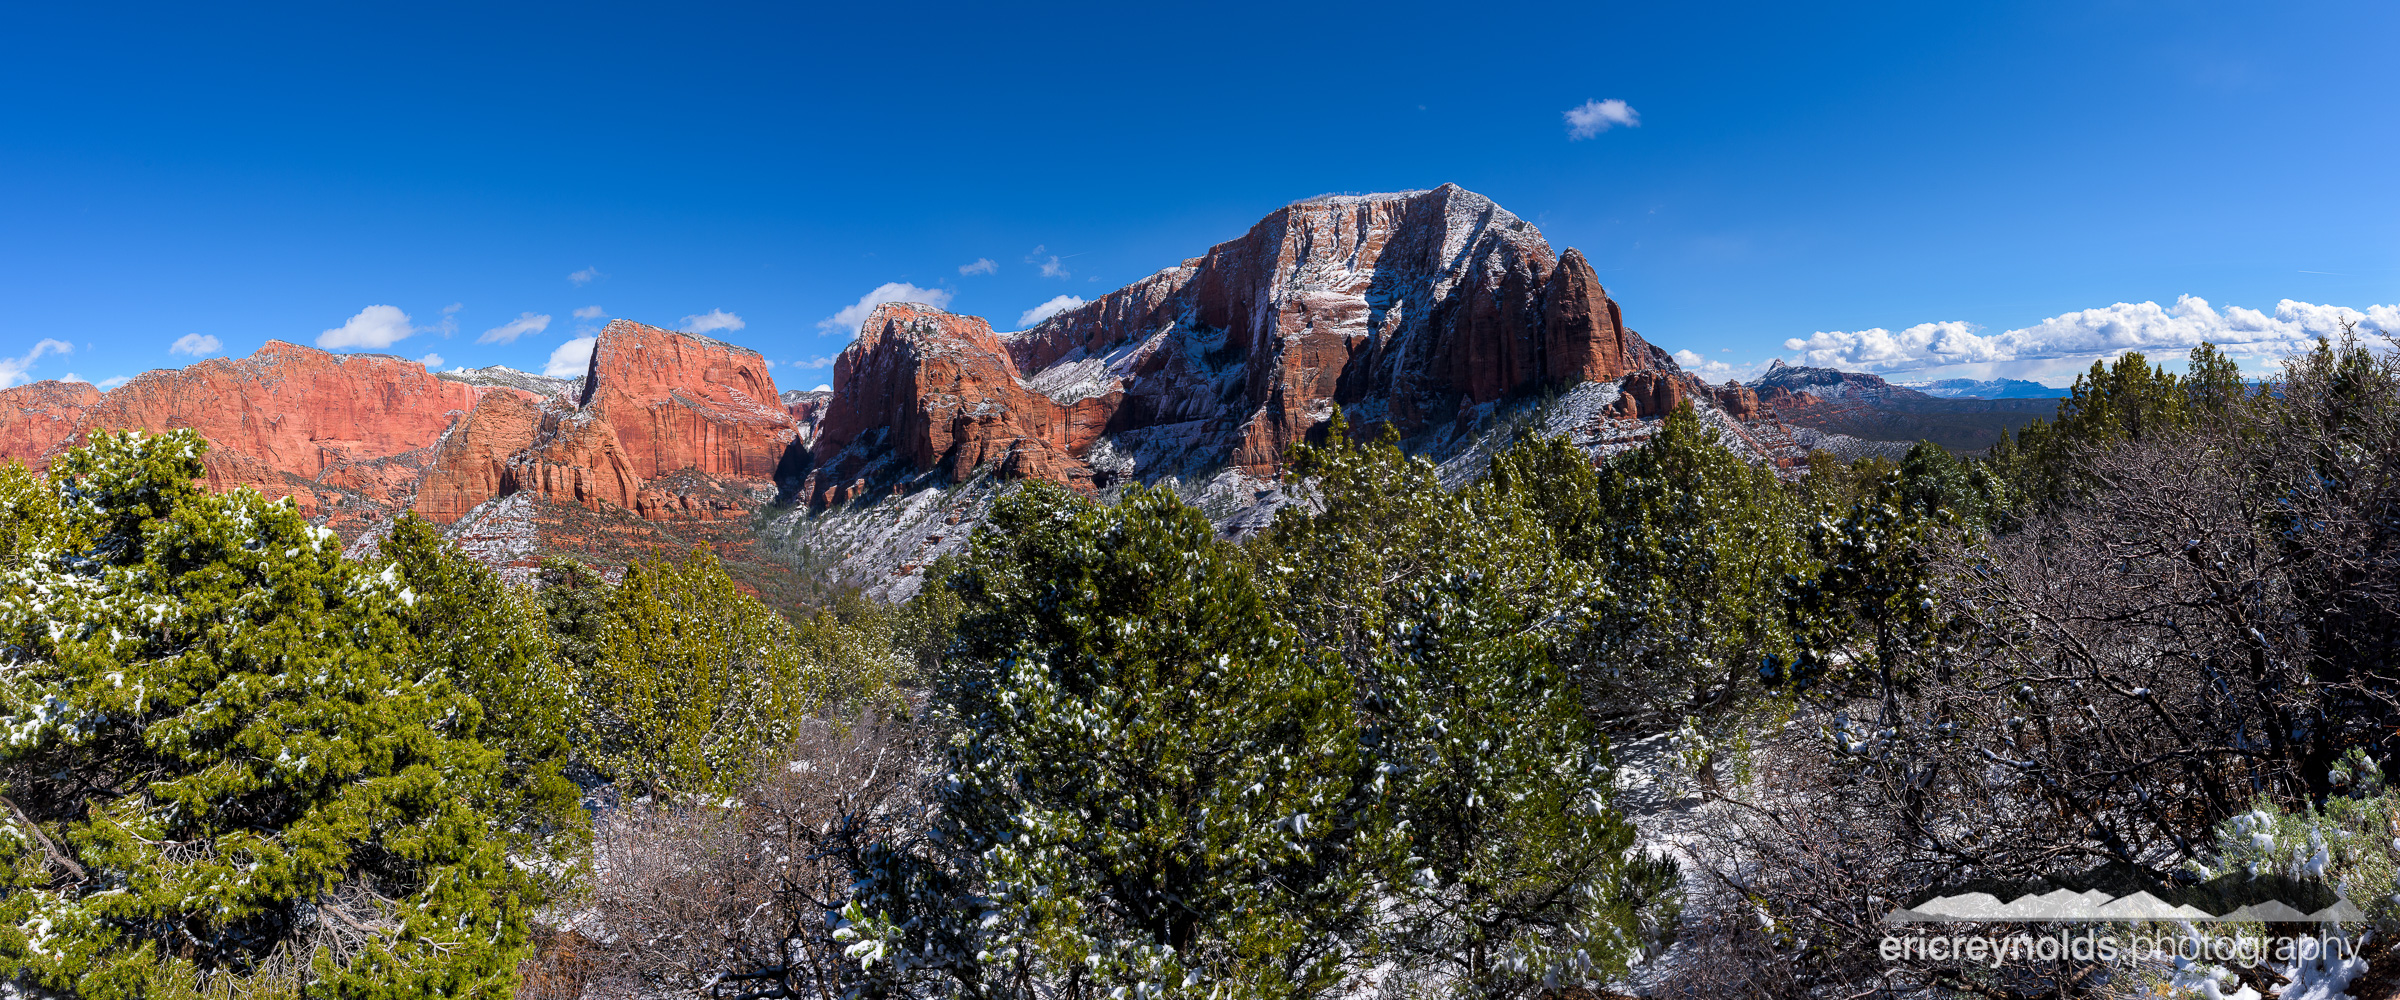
[[1916, 189]]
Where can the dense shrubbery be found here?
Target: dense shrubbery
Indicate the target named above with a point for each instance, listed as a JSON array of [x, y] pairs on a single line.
[[237, 763], [1113, 753], [231, 764]]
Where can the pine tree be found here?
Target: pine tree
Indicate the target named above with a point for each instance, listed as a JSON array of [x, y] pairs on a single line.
[[1696, 544], [229, 767]]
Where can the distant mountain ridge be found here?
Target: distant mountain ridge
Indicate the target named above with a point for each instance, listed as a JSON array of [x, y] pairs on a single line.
[[1998, 388], [1866, 406]]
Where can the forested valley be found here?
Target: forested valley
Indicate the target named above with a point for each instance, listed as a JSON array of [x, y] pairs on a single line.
[[1371, 750]]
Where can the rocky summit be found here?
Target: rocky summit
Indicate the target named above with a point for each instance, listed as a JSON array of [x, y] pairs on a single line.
[[1436, 311]]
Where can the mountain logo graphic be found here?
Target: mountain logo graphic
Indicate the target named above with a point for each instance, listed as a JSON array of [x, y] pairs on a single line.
[[2119, 893]]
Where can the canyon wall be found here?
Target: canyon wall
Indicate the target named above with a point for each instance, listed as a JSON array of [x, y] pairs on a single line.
[[1409, 308], [1429, 310], [354, 439]]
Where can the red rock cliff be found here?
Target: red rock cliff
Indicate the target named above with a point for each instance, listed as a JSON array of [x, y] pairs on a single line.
[[683, 401], [357, 438], [1405, 307]]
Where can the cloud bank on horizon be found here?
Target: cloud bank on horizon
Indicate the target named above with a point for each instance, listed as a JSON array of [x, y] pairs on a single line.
[[2063, 344]]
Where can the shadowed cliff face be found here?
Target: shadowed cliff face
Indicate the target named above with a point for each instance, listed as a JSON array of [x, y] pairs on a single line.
[[1405, 307]]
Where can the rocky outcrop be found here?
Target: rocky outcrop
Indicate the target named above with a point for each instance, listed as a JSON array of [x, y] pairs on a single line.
[[1782, 383], [327, 430], [1407, 308], [684, 401], [666, 426], [940, 391], [1435, 311], [35, 418]]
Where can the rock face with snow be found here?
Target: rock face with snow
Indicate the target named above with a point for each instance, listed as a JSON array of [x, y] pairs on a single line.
[[1411, 308], [1998, 388], [1784, 384], [1436, 311]]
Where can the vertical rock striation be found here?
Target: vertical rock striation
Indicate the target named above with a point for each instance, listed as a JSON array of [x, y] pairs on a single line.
[[1402, 307]]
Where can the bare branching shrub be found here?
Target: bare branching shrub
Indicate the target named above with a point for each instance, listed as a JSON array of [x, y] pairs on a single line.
[[2205, 617], [734, 898]]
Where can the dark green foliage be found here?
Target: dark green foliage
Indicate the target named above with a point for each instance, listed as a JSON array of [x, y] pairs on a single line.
[[574, 603], [491, 642], [1159, 778], [1446, 607], [1697, 541], [2110, 405], [233, 768]]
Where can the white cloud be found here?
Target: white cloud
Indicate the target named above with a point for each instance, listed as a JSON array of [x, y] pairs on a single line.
[[1046, 310], [110, 383], [1595, 117], [431, 361], [714, 319], [1715, 371], [507, 333], [18, 370], [585, 276], [982, 265], [373, 327], [572, 359], [449, 323], [2059, 345], [822, 388], [848, 320], [195, 344], [590, 312], [1050, 266]]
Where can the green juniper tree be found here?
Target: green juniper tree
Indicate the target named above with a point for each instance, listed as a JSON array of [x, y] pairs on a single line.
[[1157, 780], [229, 765], [1445, 606], [692, 680], [491, 642], [1691, 545]]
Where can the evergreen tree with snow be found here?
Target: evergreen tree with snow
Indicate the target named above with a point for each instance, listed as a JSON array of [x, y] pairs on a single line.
[[229, 765], [1159, 783], [1444, 607]]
